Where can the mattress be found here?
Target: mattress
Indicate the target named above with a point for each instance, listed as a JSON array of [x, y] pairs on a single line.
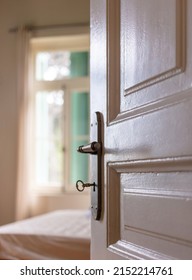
[[63, 234]]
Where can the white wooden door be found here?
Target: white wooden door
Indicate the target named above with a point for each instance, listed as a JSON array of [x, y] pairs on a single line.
[[141, 82]]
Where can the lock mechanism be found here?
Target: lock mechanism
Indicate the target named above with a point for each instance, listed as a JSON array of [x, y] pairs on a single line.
[[95, 150]]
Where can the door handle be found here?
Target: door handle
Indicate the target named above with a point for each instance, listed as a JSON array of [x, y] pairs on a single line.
[[92, 148], [95, 149]]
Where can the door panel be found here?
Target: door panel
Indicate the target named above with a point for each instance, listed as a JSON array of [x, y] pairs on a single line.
[[148, 201], [150, 38], [140, 81], [145, 55]]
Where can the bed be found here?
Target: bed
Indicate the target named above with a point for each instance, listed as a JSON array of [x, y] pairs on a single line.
[[63, 234]]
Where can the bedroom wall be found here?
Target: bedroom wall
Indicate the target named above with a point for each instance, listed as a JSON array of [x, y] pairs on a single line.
[[14, 13]]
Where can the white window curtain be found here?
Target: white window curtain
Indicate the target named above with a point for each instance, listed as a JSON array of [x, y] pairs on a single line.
[[24, 124]]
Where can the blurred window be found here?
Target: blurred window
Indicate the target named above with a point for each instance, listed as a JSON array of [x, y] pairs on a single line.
[[61, 115]]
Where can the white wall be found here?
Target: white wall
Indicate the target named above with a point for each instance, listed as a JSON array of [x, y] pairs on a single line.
[[12, 14]]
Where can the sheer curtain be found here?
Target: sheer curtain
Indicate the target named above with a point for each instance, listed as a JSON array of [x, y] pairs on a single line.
[[24, 124]]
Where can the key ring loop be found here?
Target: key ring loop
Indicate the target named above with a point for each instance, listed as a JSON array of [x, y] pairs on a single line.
[[80, 186]]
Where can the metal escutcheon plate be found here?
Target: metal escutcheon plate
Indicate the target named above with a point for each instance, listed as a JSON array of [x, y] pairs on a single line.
[[96, 167]]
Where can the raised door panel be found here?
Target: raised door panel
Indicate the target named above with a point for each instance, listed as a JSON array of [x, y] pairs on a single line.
[[153, 219], [152, 44], [147, 47]]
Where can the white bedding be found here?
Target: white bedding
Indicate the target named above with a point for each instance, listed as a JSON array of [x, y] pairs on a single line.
[[63, 234]]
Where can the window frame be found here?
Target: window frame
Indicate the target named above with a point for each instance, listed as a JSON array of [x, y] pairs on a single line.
[[68, 42]]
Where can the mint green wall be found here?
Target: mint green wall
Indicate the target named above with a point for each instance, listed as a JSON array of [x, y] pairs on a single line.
[[79, 119], [79, 64]]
